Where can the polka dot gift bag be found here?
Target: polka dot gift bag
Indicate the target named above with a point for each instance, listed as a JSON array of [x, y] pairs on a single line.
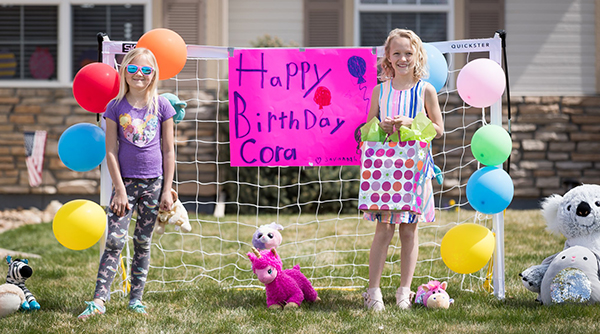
[[393, 175], [393, 172]]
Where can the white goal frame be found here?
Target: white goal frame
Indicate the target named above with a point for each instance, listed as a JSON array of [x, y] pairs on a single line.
[[491, 45]]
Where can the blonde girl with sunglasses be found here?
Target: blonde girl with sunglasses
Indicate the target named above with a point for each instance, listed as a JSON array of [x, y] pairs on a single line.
[[141, 162]]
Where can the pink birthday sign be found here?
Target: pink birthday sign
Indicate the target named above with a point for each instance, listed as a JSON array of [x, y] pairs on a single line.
[[291, 107]]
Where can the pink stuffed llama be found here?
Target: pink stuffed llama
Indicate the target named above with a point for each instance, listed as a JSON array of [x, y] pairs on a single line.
[[284, 288], [433, 295]]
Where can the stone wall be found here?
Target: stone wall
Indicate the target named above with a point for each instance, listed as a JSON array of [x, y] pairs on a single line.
[[54, 110], [556, 144], [556, 141]]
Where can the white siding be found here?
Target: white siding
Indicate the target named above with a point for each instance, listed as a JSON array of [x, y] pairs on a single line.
[[551, 47], [250, 19]]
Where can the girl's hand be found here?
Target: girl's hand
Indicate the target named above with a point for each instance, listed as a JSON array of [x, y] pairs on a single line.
[[387, 125], [402, 120], [166, 201], [120, 204]]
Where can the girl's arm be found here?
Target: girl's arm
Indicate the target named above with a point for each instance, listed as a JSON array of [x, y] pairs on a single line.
[[374, 107], [119, 204], [387, 124], [168, 153], [432, 107]]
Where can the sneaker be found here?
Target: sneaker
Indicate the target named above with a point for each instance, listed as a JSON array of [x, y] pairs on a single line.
[[137, 307], [91, 309], [404, 297], [374, 300]]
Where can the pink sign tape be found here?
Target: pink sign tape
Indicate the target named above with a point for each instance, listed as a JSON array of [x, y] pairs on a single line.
[[291, 107]]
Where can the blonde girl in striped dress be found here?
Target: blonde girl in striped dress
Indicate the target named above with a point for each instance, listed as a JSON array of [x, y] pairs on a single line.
[[396, 101]]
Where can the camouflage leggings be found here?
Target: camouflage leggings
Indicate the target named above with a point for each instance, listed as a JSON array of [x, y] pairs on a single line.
[[145, 195]]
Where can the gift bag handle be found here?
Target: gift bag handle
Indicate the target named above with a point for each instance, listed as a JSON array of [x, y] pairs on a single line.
[[358, 137], [389, 134]]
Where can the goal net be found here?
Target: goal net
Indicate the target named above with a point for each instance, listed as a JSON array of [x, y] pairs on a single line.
[[323, 230]]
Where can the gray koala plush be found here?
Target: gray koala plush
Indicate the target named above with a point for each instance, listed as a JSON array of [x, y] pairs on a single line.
[[576, 215]]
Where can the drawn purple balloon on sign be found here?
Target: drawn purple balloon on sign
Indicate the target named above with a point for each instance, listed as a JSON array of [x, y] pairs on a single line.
[[357, 67]]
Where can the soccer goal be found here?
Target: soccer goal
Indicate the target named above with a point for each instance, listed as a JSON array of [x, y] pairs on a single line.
[[323, 230]]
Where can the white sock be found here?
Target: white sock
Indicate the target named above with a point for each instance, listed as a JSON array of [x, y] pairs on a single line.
[[403, 291], [101, 307], [375, 293]]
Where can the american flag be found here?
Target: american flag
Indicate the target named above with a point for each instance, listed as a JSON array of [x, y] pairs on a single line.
[[35, 146]]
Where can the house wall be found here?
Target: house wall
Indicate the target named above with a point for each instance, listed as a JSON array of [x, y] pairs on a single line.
[[555, 140], [598, 46], [249, 20], [348, 18], [551, 46], [54, 110], [556, 133]]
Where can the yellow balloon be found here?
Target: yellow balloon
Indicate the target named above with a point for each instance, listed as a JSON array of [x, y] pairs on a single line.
[[79, 224], [466, 248]]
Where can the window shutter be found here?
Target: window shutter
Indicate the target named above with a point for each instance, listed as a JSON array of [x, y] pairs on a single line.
[[323, 23], [483, 17], [185, 17]]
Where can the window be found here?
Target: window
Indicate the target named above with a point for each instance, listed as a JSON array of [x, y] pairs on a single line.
[[28, 42], [46, 42], [119, 22], [428, 18]]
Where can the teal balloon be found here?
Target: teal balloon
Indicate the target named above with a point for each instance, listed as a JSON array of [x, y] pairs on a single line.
[[491, 145], [437, 67], [82, 147], [490, 190]]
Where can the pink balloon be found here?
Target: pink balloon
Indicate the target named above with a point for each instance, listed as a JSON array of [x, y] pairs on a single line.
[[481, 82]]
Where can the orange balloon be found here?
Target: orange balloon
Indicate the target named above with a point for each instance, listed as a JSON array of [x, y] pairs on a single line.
[[168, 48]]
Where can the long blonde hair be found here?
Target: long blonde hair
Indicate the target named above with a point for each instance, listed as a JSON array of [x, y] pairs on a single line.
[[420, 56], [151, 90]]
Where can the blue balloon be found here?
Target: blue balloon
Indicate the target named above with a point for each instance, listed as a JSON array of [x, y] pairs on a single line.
[[490, 190], [357, 67], [437, 67], [82, 147]]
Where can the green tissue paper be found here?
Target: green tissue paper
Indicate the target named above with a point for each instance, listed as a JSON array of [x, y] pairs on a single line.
[[371, 131], [421, 129]]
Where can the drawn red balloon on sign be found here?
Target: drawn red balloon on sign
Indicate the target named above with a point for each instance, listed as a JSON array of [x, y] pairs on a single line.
[[322, 97]]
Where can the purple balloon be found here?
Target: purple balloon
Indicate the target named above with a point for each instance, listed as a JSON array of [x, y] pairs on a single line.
[[357, 67]]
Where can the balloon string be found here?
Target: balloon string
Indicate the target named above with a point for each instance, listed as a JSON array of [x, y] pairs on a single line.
[[126, 286], [484, 123], [483, 116]]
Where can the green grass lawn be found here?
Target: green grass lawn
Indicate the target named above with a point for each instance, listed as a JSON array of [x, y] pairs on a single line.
[[195, 303]]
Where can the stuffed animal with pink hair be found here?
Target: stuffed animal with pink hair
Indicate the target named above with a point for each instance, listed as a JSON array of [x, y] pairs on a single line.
[[433, 295], [267, 236], [284, 288]]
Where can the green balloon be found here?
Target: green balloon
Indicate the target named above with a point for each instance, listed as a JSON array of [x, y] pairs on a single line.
[[491, 145]]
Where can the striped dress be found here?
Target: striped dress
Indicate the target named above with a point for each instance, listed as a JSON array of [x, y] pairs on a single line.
[[408, 102]]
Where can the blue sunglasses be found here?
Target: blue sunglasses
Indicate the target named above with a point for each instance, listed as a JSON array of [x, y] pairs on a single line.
[[133, 69]]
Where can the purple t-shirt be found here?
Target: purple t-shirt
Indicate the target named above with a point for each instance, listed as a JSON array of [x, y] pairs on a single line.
[[139, 135]]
